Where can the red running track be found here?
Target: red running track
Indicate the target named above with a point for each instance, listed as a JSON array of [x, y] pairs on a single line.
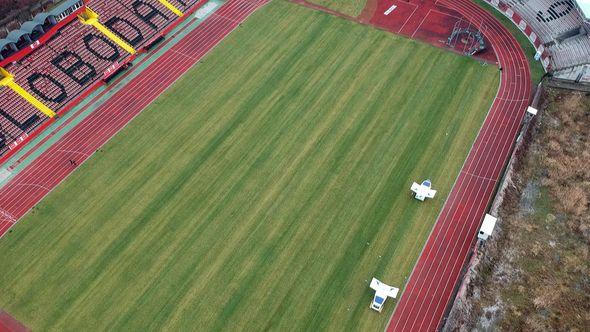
[[431, 286], [34, 182], [9, 324]]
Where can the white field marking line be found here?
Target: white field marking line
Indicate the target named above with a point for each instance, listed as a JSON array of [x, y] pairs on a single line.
[[509, 57], [441, 247], [75, 152], [34, 185], [227, 18], [421, 22], [409, 17], [479, 176], [455, 245], [436, 11], [509, 101], [8, 216], [494, 105], [184, 55], [505, 141], [517, 106], [516, 100], [439, 223], [452, 246], [389, 10], [439, 227], [495, 112], [215, 24], [453, 274]]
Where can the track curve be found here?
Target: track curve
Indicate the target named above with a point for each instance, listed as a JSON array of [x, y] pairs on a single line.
[[431, 286]]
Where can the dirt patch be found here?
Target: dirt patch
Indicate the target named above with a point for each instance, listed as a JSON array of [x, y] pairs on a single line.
[[534, 274], [368, 11]]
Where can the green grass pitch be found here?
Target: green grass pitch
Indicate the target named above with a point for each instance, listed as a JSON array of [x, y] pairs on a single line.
[[262, 191]]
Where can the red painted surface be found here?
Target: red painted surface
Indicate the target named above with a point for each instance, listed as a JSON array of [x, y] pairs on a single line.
[[26, 189], [9, 324], [431, 286], [425, 20]]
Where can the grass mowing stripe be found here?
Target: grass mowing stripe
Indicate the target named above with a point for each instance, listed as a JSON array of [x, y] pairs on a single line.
[[386, 197], [345, 143]]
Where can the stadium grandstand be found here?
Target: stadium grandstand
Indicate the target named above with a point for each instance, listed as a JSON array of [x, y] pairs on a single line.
[[559, 30], [56, 58]]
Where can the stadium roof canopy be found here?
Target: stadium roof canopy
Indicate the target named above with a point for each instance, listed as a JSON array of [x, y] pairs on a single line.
[[5, 42], [31, 26], [15, 35], [41, 17], [585, 6]]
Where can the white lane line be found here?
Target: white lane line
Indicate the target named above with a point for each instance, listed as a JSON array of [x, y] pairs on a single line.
[[388, 11]]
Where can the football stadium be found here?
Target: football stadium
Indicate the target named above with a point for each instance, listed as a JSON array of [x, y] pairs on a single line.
[[262, 164]]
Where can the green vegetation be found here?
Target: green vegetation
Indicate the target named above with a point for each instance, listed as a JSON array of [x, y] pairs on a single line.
[[351, 8], [263, 190], [537, 70]]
